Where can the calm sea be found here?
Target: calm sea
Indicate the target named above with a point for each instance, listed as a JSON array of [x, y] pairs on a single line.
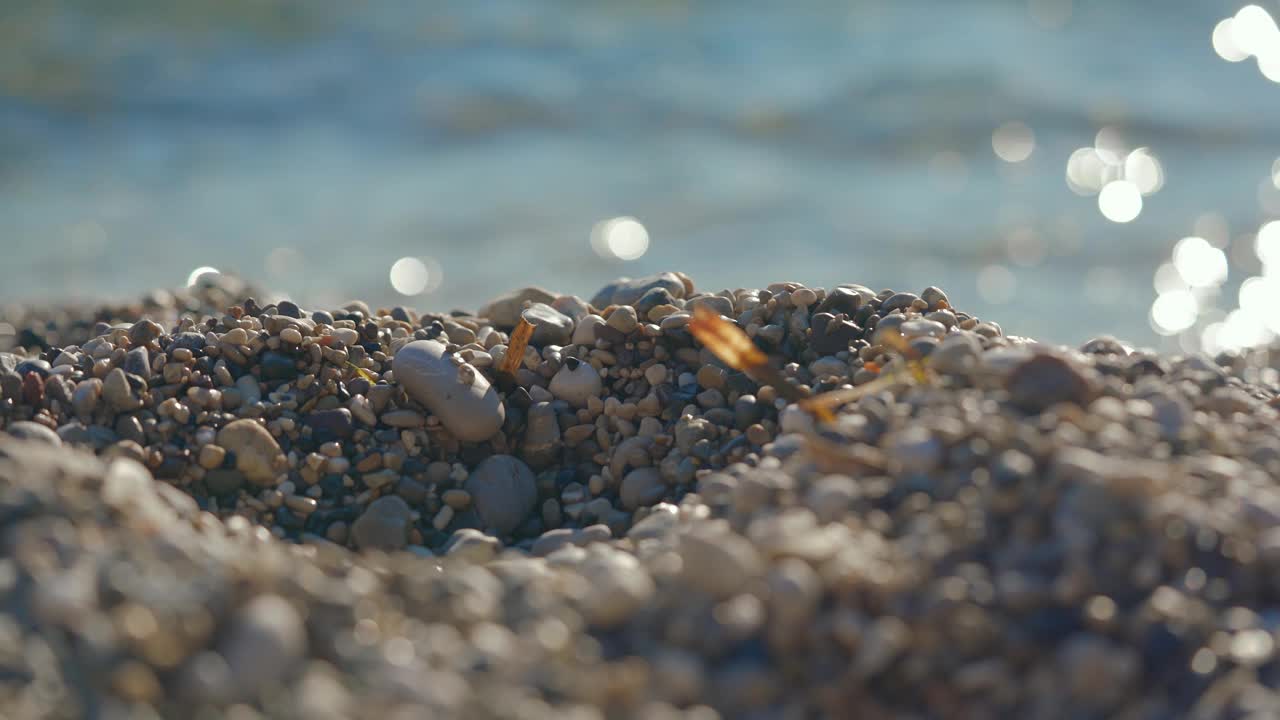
[[309, 146]]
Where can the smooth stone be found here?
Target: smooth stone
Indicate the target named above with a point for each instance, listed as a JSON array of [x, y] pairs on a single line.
[[541, 435], [623, 319], [472, 545], [9, 362], [921, 327], [550, 327], [829, 366], [118, 393], [384, 525], [28, 430], [662, 519], [957, 354], [192, 341], [617, 586], [84, 399], [278, 366], [585, 332], [935, 297], [573, 306], [35, 365], [328, 425], [898, 301], [266, 640], [138, 362], [459, 395], [718, 563], [362, 410], [257, 453], [828, 335], [504, 311], [714, 303], [575, 382], [689, 431], [550, 541], [915, 450], [1046, 380], [504, 491], [626, 291], [250, 392], [642, 487], [655, 297], [840, 300]]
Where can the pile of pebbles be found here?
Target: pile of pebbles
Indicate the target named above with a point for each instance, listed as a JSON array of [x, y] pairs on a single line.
[[271, 512]]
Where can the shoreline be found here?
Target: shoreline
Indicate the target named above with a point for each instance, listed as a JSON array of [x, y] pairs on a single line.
[[332, 513]]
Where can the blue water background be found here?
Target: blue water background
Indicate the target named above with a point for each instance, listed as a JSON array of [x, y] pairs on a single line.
[[756, 141]]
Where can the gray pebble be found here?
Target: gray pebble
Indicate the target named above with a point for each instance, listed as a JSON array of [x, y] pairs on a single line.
[[384, 525], [549, 326], [27, 430], [503, 491]]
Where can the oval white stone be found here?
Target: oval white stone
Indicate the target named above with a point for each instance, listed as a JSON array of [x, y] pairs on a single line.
[[468, 406]]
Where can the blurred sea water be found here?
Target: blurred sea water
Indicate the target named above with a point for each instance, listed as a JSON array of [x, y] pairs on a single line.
[[309, 146]]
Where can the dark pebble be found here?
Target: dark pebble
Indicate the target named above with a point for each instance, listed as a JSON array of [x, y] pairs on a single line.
[[289, 520], [10, 385], [138, 362], [1045, 380], [288, 309], [322, 317], [35, 365], [830, 335], [33, 389], [192, 341], [898, 301], [330, 425], [840, 300], [223, 481], [411, 490], [28, 430], [652, 299], [277, 366], [331, 485]]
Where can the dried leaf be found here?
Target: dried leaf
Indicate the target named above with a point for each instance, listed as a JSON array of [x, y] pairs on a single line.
[[363, 373], [725, 340], [515, 349]]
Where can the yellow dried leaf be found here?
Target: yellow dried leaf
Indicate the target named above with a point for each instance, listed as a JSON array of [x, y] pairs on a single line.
[[728, 342], [515, 349]]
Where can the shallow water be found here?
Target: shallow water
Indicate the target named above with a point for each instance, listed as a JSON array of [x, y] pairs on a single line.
[[755, 141]]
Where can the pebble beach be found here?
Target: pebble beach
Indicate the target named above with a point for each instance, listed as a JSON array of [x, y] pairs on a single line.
[[212, 507]]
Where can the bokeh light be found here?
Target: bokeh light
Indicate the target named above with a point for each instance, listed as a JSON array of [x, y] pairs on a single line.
[[996, 284], [409, 276], [1013, 142], [1144, 170], [1267, 244], [1120, 201], [1253, 31], [195, 275], [1200, 264], [1086, 172], [620, 238], [1174, 311], [1224, 42]]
